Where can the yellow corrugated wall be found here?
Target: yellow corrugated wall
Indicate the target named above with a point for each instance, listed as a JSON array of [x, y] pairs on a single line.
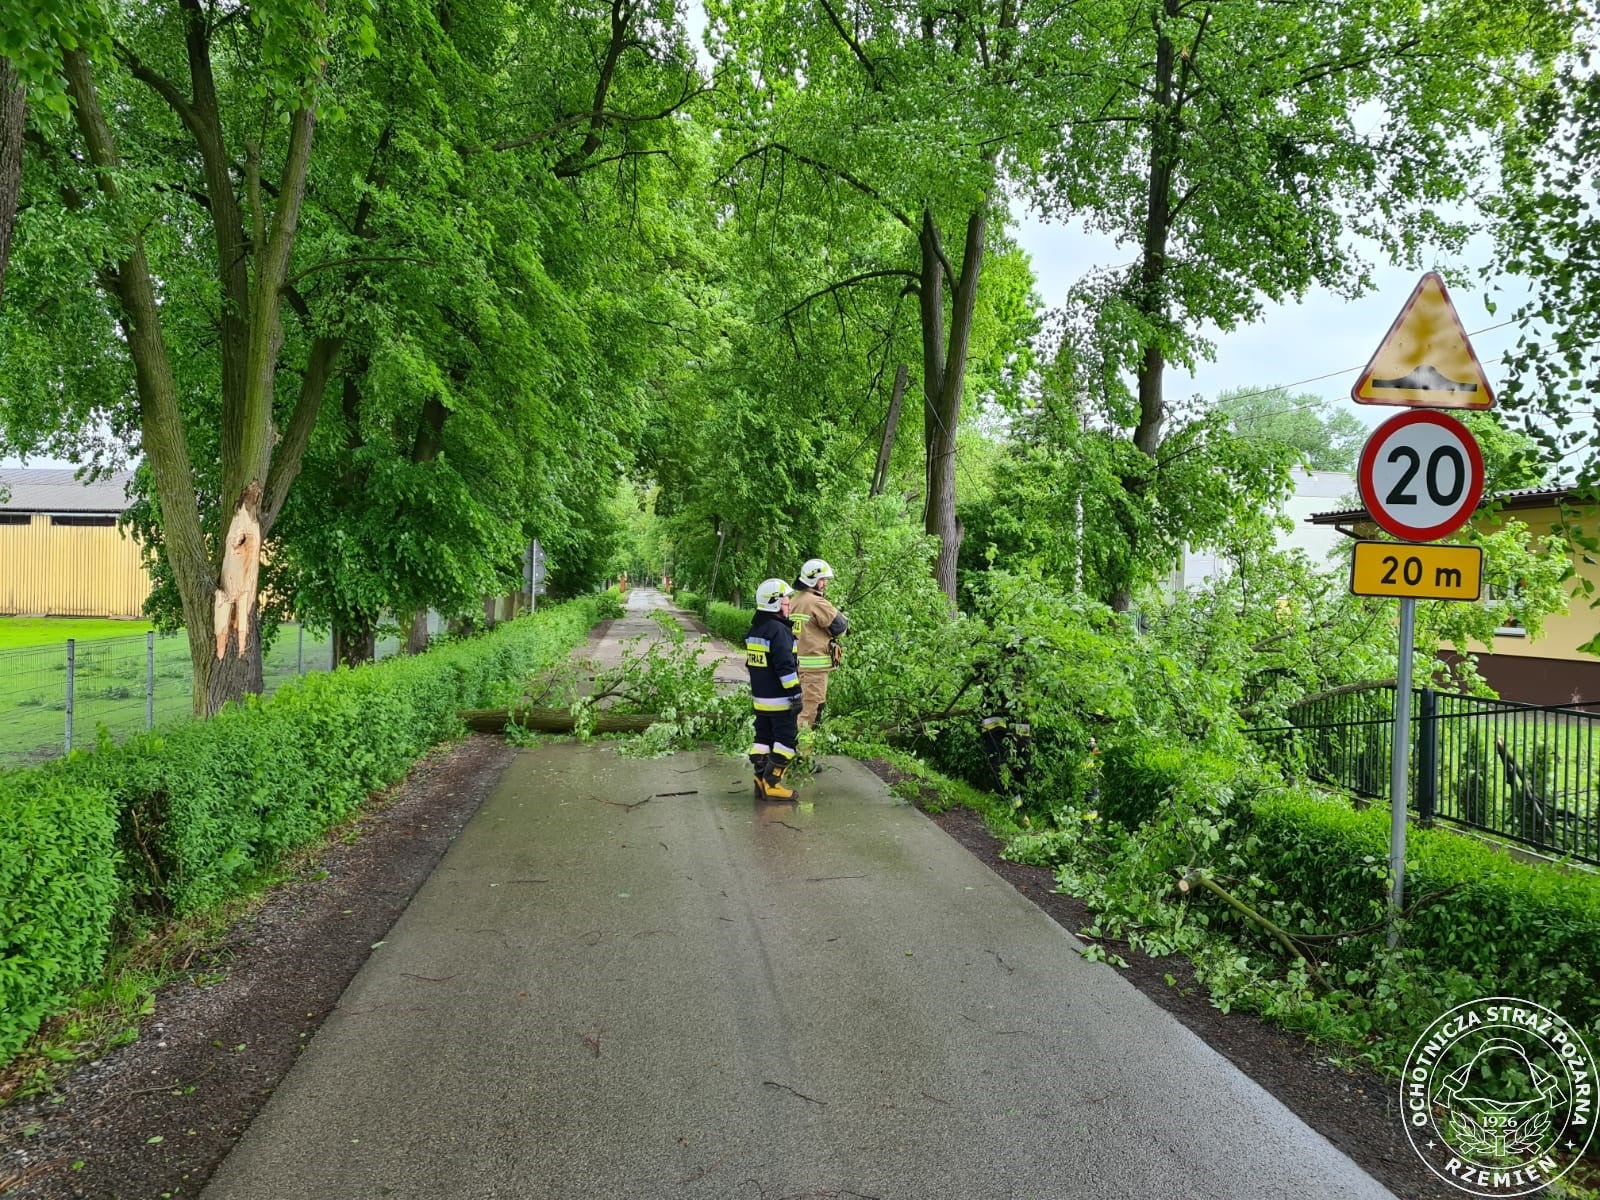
[[70, 571]]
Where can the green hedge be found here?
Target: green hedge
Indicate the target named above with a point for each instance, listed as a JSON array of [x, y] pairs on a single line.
[[1484, 922], [1140, 777], [60, 888], [693, 601], [727, 622], [1521, 929], [179, 819]]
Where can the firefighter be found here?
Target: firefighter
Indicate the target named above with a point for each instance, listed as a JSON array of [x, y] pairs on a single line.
[[817, 628], [774, 689], [1007, 740]]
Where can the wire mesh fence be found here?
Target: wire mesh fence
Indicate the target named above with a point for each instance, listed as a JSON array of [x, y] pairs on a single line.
[[1523, 772], [57, 697]]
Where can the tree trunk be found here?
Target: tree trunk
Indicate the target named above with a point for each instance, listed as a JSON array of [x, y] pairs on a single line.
[[234, 676], [944, 374], [1151, 300], [418, 637], [551, 720], [202, 116], [356, 646], [132, 291], [891, 425], [250, 338], [12, 111], [1150, 297], [716, 562]]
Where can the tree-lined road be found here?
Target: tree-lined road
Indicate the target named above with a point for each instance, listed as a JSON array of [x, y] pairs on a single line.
[[626, 980]]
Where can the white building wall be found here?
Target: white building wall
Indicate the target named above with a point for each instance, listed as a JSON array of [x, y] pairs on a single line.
[[1314, 492]]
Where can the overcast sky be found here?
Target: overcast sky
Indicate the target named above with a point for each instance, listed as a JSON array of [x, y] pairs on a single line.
[[1322, 336]]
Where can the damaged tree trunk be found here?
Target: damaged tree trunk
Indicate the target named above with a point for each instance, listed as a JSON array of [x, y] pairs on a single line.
[[880, 473]]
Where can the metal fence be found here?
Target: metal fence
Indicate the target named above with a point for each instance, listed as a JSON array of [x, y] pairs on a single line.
[[1520, 771], [55, 697]]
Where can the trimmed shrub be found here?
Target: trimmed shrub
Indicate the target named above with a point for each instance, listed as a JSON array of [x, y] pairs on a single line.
[[184, 817], [1139, 778], [692, 601], [609, 605], [727, 622], [1519, 929], [59, 892]]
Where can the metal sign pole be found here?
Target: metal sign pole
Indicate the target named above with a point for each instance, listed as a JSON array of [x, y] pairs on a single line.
[[1399, 776]]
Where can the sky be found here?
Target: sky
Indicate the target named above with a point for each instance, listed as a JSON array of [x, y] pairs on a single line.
[[1323, 338]]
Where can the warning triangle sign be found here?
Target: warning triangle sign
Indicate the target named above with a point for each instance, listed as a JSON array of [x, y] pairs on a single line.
[[1425, 360]]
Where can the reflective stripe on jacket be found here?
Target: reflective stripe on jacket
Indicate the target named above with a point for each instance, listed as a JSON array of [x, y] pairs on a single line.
[[816, 623], [769, 657]]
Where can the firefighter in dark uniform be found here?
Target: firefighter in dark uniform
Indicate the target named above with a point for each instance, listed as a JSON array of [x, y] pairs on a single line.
[[1007, 739], [774, 689]]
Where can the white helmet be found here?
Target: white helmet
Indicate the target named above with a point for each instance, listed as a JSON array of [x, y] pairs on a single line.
[[769, 596], [814, 570]]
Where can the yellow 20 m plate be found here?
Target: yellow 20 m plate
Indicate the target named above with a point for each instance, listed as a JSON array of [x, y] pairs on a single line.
[[1418, 572]]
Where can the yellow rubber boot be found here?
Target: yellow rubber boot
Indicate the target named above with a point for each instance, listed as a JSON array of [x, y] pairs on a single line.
[[772, 782]]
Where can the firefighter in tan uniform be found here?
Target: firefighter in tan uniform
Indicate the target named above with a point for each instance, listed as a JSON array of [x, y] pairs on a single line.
[[817, 626]]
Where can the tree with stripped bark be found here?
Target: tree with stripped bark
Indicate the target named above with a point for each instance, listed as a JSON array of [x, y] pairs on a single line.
[[163, 208]]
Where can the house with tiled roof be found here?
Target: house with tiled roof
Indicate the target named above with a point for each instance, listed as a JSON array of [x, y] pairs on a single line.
[[1555, 668], [62, 553]]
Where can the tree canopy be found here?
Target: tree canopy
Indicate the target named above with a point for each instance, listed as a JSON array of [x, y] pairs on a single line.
[[441, 280]]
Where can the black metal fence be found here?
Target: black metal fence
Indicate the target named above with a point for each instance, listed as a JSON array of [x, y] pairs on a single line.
[[1523, 772]]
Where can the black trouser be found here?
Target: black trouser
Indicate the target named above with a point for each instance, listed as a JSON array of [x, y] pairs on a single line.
[[776, 734], [1004, 748]]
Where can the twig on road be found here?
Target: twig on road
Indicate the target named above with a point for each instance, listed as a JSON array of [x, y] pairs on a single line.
[[703, 1172], [802, 1095], [620, 804]]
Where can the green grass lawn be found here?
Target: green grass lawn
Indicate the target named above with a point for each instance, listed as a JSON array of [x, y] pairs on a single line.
[[109, 682], [54, 631]]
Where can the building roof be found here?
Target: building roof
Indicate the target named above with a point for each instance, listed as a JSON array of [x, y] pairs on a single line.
[[36, 490], [1508, 501]]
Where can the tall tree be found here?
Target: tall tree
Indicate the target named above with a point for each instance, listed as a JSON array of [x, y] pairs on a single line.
[[1243, 144], [494, 362], [907, 116], [155, 173]]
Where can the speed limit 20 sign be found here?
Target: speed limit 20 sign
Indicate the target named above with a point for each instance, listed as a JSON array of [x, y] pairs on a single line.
[[1421, 475]]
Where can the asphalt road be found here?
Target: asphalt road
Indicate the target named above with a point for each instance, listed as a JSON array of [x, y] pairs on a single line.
[[626, 979]]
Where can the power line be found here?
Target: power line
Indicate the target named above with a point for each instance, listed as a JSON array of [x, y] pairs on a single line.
[[1347, 370]]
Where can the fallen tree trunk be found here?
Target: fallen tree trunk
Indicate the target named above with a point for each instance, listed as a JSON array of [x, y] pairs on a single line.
[[552, 720]]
